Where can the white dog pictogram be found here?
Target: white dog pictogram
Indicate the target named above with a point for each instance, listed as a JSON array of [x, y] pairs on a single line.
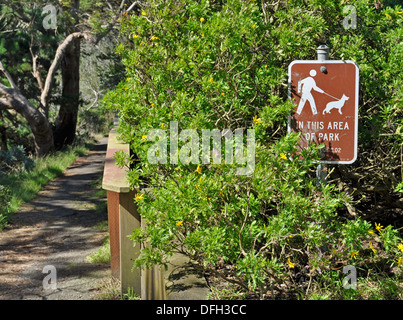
[[336, 104]]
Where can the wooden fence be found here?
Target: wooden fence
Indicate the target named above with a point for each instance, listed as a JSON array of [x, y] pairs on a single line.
[[123, 218]]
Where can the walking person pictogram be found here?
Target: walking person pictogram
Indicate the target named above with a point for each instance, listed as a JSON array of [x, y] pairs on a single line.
[[308, 84]]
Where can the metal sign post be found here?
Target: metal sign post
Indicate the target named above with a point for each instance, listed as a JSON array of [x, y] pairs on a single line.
[[321, 169], [325, 93]]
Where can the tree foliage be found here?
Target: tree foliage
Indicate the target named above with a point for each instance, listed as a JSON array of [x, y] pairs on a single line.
[[32, 54]]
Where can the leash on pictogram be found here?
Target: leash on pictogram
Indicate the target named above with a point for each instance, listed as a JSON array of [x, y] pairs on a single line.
[[331, 96]]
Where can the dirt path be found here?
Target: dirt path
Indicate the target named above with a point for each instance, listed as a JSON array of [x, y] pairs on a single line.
[[57, 229]]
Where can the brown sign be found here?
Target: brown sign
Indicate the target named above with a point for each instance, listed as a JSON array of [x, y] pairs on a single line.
[[326, 97]]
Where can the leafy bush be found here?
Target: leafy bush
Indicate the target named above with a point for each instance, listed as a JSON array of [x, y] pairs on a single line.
[[223, 65], [15, 160]]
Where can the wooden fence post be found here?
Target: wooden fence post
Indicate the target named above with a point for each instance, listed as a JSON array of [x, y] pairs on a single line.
[[123, 218]]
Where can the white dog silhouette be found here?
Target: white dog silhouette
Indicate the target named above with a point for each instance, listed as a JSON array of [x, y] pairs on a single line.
[[336, 104]]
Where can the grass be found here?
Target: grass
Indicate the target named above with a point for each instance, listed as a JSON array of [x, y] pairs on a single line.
[[103, 254], [109, 289], [24, 186], [100, 194], [130, 295]]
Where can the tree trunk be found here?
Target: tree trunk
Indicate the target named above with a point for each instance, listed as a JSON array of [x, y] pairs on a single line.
[[66, 122], [41, 129], [3, 134], [11, 98]]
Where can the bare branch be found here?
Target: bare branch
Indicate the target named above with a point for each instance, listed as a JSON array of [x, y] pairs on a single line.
[[133, 5], [120, 11], [36, 70], [11, 98], [96, 93], [56, 62], [9, 78]]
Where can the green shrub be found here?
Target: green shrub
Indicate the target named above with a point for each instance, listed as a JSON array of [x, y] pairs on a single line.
[[15, 160], [223, 65]]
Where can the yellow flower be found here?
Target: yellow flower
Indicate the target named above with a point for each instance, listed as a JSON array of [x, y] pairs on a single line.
[[399, 12], [198, 170], [291, 265], [201, 19], [283, 156], [127, 79], [399, 261], [265, 66], [257, 120], [152, 105], [154, 38], [143, 13], [126, 88], [208, 198], [253, 26], [179, 223], [371, 232], [388, 15], [372, 247], [211, 80], [400, 246], [378, 227], [144, 137], [353, 254], [162, 126], [135, 36], [222, 93], [138, 196]]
